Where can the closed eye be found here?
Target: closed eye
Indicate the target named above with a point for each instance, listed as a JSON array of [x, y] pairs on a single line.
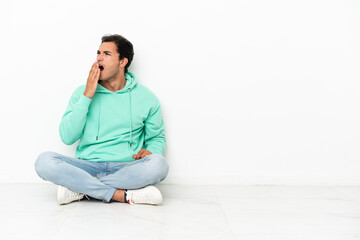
[[106, 52]]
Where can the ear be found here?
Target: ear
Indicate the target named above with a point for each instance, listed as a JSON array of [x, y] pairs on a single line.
[[123, 62]]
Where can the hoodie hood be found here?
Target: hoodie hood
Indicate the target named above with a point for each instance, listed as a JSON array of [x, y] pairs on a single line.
[[130, 84]]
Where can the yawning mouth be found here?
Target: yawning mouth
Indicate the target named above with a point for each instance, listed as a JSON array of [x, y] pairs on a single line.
[[101, 68]]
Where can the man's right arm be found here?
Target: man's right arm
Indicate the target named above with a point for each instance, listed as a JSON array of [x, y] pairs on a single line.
[[73, 121]]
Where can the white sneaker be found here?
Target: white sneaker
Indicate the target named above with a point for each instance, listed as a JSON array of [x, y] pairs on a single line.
[[146, 195], [65, 195]]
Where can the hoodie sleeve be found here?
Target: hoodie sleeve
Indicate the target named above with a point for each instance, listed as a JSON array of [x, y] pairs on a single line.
[[74, 119], [154, 131]]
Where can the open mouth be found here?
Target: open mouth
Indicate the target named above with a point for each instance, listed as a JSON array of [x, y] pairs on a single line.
[[101, 68]]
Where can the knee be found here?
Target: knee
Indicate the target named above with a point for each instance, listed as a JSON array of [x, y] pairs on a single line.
[[42, 162], [159, 165]]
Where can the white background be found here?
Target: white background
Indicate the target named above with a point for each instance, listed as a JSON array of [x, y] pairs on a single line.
[[252, 92]]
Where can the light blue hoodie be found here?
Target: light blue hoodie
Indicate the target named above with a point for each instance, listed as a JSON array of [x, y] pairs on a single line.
[[113, 126]]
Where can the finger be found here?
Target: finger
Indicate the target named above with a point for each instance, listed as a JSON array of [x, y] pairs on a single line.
[[92, 67], [138, 155], [95, 67], [143, 154], [97, 74], [91, 72]]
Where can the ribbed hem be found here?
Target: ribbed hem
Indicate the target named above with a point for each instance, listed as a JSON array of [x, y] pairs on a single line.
[[154, 150], [84, 101]]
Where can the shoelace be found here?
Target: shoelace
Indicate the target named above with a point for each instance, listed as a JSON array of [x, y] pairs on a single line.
[[73, 195], [78, 196]]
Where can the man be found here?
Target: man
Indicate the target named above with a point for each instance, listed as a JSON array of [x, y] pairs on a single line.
[[121, 132]]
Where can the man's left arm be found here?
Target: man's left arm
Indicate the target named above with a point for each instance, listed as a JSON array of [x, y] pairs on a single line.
[[155, 140], [154, 133]]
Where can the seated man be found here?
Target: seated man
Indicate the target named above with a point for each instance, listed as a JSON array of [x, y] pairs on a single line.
[[121, 132]]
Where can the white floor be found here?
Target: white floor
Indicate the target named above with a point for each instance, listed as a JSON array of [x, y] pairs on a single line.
[[188, 212]]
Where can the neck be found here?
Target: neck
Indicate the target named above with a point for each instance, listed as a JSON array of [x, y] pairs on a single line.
[[114, 85]]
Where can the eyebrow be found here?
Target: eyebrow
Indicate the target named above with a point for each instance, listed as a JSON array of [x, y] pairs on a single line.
[[104, 51]]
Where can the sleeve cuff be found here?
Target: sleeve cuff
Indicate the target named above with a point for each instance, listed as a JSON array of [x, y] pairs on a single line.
[[84, 101], [154, 150]]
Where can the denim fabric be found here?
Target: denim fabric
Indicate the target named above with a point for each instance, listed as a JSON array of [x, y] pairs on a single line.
[[100, 179]]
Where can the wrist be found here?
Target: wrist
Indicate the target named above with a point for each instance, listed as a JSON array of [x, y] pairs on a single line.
[[88, 95]]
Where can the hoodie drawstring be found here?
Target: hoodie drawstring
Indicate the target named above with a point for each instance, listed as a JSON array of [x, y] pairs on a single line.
[[97, 136], [130, 116]]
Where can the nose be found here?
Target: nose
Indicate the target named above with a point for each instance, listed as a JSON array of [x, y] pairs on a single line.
[[99, 57]]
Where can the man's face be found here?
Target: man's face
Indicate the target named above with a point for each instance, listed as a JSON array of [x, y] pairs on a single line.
[[108, 59]]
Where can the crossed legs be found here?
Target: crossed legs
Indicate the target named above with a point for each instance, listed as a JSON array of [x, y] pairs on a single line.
[[101, 180]]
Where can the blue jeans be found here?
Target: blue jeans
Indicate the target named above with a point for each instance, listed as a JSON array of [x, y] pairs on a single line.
[[100, 180]]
